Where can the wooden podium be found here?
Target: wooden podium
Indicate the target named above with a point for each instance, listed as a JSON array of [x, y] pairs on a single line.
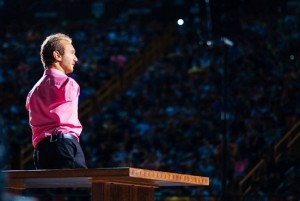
[[107, 184]]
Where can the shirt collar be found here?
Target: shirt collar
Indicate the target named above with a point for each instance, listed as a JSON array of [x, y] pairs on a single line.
[[53, 71]]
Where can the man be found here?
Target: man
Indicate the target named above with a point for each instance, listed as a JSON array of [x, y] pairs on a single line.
[[53, 108]]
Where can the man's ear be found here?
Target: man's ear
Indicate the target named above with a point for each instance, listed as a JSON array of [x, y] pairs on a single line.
[[57, 56]]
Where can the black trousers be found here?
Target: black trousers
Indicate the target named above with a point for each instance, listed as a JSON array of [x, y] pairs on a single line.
[[61, 153]]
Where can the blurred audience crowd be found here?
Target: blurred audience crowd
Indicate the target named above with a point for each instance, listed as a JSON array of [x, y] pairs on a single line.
[[176, 115]]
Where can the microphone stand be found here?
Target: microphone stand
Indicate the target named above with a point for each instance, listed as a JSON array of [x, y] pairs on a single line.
[[224, 116]]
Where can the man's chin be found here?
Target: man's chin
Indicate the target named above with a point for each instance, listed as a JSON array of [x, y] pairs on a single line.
[[70, 71]]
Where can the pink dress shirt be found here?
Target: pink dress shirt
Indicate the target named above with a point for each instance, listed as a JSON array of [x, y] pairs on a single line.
[[53, 106]]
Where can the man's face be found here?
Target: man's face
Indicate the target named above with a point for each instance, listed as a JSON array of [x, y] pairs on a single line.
[[69, 58]]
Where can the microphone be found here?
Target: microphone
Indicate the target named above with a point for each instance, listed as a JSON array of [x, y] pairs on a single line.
[[217, 42]]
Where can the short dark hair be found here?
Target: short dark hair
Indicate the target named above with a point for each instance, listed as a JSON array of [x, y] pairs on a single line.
[[50, 44]]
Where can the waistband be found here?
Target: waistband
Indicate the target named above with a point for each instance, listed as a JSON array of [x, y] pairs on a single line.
[[57, 137]]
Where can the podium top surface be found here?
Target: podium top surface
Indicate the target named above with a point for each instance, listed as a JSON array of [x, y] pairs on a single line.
[[86, 177]]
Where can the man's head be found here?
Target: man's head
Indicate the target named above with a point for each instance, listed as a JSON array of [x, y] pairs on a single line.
[[58, 52]]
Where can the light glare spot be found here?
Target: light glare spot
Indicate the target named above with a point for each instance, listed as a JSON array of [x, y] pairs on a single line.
[[180, 22]]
